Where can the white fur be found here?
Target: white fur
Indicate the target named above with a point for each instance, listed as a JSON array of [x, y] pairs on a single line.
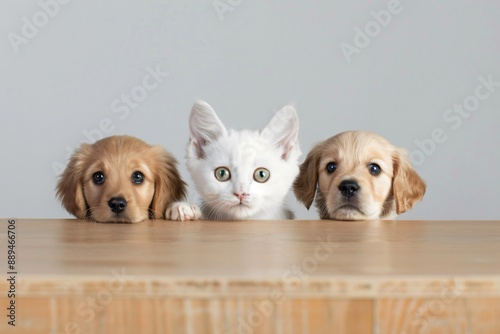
[[274, 148], [182, 211]]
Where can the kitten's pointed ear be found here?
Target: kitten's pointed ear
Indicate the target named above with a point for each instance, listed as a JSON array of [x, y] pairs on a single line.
[[283, 131], [204, 127]]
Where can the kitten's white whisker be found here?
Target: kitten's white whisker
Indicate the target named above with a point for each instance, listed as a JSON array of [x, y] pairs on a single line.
[[215, 209]]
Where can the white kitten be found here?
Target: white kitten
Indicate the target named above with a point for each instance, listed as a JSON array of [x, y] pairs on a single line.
[[243, 175]]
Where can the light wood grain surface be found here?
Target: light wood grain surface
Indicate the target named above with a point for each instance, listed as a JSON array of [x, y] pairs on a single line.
[[255, 277]]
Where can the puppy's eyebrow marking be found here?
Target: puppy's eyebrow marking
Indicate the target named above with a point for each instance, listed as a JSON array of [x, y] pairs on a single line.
[[140, 167], [97, 165], [375, 161]]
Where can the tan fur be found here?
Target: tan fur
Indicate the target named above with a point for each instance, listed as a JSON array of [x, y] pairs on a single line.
[[118, 157], [408, 188], [395, 190]]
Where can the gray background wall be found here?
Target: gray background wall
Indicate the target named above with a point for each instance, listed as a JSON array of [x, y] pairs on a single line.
[[65, 76]]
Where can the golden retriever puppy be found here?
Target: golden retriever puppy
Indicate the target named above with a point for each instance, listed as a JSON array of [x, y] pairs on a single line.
[[123, 179], [358, 175]]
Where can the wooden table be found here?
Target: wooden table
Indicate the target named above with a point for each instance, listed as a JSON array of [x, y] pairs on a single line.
[[252, 277]]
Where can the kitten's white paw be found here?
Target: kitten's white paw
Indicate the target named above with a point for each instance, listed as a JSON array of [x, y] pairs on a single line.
[[183, 211]]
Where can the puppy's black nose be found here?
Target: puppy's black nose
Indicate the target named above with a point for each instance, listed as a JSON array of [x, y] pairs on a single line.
[[117, 204], [348, 188]]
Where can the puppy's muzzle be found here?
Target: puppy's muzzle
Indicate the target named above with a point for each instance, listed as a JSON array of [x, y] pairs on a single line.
[[117, 204], [348, 188]]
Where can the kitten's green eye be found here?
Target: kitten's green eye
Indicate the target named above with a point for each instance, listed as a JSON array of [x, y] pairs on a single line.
[[222, 174], [261, 175]]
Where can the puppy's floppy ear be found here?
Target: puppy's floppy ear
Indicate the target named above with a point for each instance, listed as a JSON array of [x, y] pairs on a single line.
[[306, 182], [407, 186], [283, 131], [70, 184], [204, 127], [169, 186]]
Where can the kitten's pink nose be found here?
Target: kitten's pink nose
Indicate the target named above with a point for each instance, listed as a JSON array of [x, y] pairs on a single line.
[[240, 196]]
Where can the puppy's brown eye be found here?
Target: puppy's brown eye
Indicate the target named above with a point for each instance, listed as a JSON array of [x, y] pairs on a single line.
[[331, 167], [374, 169], [98, 177], [137, 177]]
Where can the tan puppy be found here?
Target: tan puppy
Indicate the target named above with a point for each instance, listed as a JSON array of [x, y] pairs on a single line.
[[358, 175], [123, 179]]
